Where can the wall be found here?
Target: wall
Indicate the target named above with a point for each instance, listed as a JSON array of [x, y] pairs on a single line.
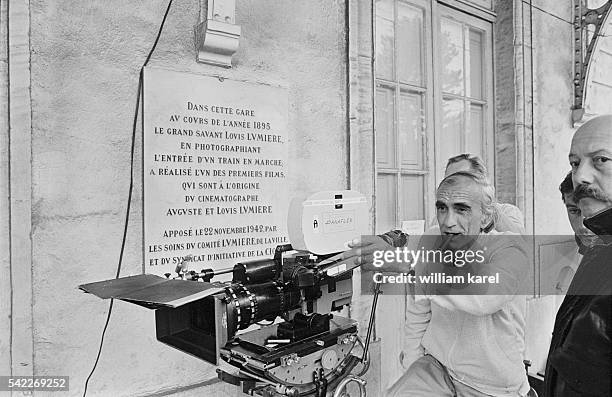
[[552, 102], [5, 270], [553, 94], [85, 58], [505, 103]]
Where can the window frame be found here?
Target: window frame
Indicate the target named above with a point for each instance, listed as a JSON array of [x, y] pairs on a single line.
[[488, 144], [432, 98], [428, 106]]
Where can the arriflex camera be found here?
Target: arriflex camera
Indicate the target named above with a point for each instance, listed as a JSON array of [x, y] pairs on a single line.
[[275, 328]]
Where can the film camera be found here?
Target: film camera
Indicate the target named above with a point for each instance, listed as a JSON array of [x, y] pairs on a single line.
[[274, 329]]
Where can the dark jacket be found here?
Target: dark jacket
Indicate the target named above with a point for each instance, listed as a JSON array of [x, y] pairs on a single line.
[[580, 352]]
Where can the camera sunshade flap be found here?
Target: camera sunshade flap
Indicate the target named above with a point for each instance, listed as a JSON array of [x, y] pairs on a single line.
[[152, 291]]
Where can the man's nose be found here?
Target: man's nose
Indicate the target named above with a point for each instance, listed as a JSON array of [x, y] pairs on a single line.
[[583, 173], [450, 219]]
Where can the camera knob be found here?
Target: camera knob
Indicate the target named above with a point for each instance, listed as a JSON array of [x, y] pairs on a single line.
[[329, 359]]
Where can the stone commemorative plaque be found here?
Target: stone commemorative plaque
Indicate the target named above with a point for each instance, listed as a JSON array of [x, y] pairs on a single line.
[[214, 170]]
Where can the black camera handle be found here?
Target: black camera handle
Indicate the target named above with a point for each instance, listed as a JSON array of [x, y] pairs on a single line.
[[365, 359]]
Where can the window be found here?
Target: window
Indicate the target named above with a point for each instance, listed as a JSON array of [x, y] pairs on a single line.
[[465, 86], [433, 77]]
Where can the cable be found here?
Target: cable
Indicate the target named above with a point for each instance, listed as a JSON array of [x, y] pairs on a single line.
[[139, 93]]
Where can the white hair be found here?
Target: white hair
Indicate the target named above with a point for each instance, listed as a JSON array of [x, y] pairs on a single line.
[[487, 202]]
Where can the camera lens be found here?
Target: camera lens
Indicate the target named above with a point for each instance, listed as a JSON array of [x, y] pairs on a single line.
[[256, 271], [248, 304]]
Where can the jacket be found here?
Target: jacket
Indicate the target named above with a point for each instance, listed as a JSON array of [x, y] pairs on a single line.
[[580, 351]]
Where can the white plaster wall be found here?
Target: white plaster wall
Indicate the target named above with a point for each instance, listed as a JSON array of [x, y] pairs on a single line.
[[5, 266], [85, 62], [552, 102], [553, 99]]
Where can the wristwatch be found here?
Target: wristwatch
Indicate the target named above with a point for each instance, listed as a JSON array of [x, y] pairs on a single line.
[[395, 238]]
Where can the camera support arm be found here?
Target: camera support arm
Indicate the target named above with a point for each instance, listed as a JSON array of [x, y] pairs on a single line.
[[365, 359]]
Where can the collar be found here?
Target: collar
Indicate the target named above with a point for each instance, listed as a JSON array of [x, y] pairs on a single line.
[[601, 225]]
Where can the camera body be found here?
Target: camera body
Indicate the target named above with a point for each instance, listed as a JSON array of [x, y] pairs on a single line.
[[305, 346], [290, 286]]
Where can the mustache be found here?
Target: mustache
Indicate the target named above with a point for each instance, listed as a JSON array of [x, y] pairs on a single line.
[[583, 191]]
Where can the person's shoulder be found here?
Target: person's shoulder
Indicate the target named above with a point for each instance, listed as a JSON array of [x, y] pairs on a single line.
[[509, 218], [497, 241], [508, 208]]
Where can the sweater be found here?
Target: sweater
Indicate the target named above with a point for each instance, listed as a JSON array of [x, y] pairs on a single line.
[[475, 332]]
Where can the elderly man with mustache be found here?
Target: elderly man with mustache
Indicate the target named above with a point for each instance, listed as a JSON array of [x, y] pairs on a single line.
[[580, 352]]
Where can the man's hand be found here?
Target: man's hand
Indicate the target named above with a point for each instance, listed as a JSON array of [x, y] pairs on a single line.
[[362, 252]]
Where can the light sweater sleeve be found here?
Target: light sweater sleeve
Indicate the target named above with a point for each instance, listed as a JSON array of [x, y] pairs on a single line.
[[418, 315]]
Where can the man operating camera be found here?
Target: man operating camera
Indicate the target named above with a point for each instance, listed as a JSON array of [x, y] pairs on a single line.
[[465, 340], [468, 340]]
